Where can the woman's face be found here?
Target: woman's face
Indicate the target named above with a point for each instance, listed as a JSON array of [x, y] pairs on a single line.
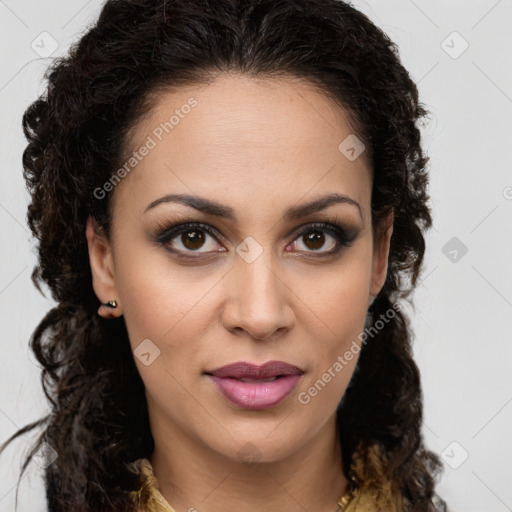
[[258, 276]]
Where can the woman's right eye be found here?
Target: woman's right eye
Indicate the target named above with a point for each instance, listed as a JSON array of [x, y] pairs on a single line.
[[189, 237]]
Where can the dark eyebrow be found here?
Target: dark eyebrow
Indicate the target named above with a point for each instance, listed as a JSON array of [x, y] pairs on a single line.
[[218, 210]]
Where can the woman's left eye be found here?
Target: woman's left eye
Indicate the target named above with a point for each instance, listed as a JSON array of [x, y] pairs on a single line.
[[194, 238], [314, 238]]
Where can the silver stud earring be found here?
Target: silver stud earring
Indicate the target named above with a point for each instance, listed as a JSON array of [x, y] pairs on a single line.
[[111, 304]]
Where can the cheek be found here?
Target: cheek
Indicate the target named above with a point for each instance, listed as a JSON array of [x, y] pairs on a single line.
[[333, 357], [339, 300], [170, 306], [163, 308], [337, 312], [156, 296]]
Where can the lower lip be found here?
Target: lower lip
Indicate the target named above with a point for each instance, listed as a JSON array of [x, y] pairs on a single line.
[[256, 395]]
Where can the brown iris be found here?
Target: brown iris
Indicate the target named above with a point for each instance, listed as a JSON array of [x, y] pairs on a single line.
[[316, 238], [192, 239]]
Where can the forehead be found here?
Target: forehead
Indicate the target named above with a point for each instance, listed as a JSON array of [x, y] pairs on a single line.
[[243, 137]]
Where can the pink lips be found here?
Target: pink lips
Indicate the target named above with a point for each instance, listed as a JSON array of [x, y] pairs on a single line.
[[250, 386]]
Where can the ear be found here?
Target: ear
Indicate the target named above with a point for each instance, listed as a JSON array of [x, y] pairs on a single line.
[[102, 269], [380, 254]]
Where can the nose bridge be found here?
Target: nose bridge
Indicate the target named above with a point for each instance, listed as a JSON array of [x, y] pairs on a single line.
[[255, 269], [259, 301]]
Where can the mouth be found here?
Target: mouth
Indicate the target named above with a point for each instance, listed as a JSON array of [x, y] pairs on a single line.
[[254, 387]]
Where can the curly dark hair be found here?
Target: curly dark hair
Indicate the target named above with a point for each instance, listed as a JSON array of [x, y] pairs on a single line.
[[78, 134]]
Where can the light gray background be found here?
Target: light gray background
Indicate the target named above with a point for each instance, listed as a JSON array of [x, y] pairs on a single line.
[[464, 303]]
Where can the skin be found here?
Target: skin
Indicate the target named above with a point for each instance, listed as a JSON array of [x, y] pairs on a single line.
[[259, 147]]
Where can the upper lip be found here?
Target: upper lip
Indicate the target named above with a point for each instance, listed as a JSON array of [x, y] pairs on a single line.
[[241, 369]]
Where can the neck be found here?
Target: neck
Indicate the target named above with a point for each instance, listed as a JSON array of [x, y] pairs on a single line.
[[192, 477]]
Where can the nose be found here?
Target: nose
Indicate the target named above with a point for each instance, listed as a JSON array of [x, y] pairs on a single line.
[[257, 299]]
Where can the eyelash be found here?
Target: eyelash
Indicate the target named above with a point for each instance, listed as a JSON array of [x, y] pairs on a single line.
[[167, 231]]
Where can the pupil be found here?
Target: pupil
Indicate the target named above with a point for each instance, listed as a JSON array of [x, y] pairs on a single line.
[[192, 239]]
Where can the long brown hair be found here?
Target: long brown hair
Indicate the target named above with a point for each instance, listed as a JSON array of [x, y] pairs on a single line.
[[78, 132]]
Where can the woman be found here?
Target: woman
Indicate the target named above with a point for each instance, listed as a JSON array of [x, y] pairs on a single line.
[[230, 200]]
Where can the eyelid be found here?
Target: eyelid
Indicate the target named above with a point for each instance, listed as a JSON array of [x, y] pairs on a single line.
[[162, 230]]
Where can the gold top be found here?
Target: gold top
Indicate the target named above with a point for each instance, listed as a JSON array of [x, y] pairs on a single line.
[[149, 499]]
